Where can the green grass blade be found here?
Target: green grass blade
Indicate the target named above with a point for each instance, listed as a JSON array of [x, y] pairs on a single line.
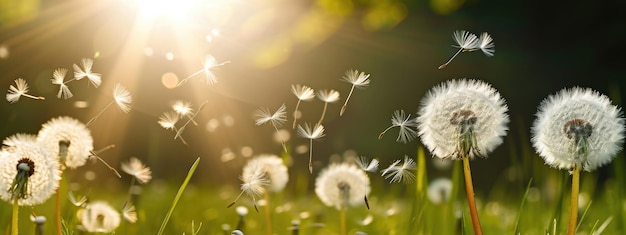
[[582, 217], [521, 207], [178, 195]]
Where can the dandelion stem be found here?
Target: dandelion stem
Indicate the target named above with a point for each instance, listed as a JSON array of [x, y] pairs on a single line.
[[342, 218], [106, 164], [268, 219], [469, 189], [295, 114], [323, 114], [343, 108], [282, 140], [573, 210], [59, 226], [311, 156], [189, 77], [98, 115], [14, 217], [450, 60]]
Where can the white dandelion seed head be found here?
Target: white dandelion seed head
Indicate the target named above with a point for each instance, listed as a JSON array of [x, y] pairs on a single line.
[[440, 190], [182, 108], [470, 101], [358, 79], [328, 96], [168, 120], [311, 132], [578, 113], [274, 170], [137, 169], [277, 118], [67, 139], [342, 185], [44, 181], [466, 40], [486, 44], [401, 173], [122, 98], [255, 180], [99, 217], [303, 92]]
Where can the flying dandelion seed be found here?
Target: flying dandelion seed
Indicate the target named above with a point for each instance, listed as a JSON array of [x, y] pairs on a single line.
[[58, 79], [486, 44], [367, 166], [303, 93], [129, 212], [406, 125], [401, 173], [311, 133], [209, 63], [274, 169], [465, 41], [80, 73], [254, 184], [357, 79], [327, 96], [277, 119], [138, 170], [182, 128], [168, 121], [183, 109], [121, 97], [20, 89]]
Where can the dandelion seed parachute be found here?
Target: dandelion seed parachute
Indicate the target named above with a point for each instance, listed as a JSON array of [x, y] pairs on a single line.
[[274, 168], [578, 127], [137, 169]]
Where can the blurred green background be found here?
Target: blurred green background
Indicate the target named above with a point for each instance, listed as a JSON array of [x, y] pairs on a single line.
[[541, 47]]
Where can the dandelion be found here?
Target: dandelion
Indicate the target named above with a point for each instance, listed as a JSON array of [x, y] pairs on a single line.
[[406, 125], [304, 93], [29, 175], [577, 129], [138, 170], [183, 109], [465, 41], [401, 173], [341, 186], [461, 119], [440, 190], [209, 63], [121, 97], [67, 139], [371, 166], [20, 89], [58, 77], [129, 213], [327, 96], [357, 79], [253, 185], [277, 119], [311, 133], [80, 73], [274, 168], [99, 217]]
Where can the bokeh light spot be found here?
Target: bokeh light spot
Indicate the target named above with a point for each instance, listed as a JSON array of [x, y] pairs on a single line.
[[445, 7], [212, 125], [4, 52], [148, 51], [169, 80], [169, 56], [81, 104], [246, 151]]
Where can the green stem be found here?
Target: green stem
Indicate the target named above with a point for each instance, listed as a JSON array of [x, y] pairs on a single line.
[[14, 218], [342, 218], [268, 219], [573, 209], [469, 189], [178, 195]]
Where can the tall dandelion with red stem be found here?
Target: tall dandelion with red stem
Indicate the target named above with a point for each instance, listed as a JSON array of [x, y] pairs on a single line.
[[577, 129], [462, 119]]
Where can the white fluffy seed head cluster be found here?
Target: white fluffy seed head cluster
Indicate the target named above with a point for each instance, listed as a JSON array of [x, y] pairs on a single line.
[[44, 181], [274, 168], [342, 185], [444, 101], [549, 132], [71, 131], [99, 217]]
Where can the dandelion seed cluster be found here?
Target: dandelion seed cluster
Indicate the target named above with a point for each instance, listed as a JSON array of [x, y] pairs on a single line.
[[274, 170], [573, 119], [68, 139], [342, 185], [456, 107], [45, 177]]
